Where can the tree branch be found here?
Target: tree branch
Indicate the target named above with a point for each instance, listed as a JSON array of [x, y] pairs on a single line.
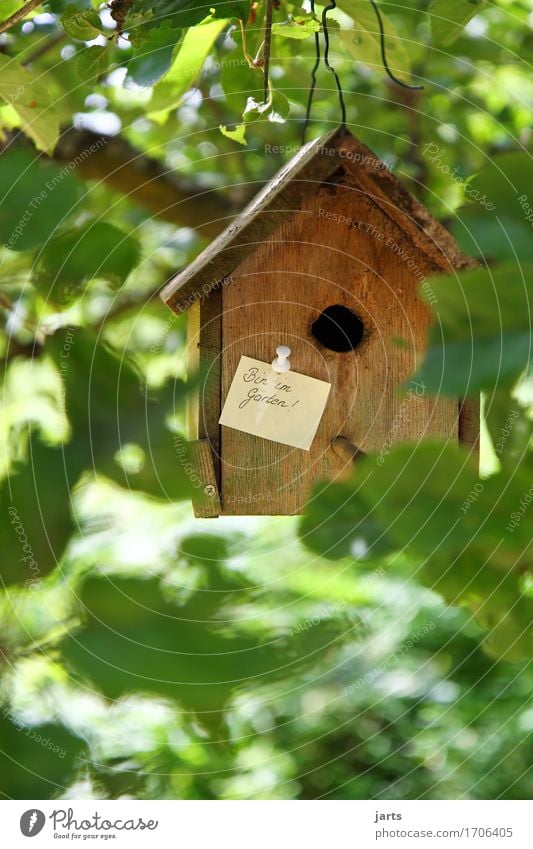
[[113, 161], [47, 43], [19, 14]]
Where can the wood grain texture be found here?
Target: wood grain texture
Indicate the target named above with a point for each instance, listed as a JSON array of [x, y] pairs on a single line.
[[279, 197], [339, 248], [314, 163], [469, 424], [206, 499], [204, 345], [373, 177]]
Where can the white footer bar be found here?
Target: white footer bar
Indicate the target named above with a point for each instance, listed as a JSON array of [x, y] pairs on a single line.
[[269, 824]]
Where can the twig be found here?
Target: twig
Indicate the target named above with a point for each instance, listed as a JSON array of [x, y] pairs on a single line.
[[19, 14], [119, 13], [266, 49], [251, 61]]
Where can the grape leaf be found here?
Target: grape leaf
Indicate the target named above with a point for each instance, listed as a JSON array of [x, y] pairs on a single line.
[[238, 133], [188, 13]]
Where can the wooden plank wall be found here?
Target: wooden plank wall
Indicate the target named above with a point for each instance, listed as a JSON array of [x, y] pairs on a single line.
[[339, 248]]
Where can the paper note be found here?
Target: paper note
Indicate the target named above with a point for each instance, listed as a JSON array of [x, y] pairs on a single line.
[[284, 407]]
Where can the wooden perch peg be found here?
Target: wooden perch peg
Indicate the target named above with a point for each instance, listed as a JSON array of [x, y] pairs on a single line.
[[348, 453]]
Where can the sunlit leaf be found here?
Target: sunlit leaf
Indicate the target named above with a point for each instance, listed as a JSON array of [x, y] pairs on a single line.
[[27, 94], [238, 133], [297, 28], [185, 69], [92, 62], [363, 42], [152, 53], [448, 17]]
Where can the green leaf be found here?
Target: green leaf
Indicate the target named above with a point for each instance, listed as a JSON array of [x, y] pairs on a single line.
[[449, 17], [363, 42], [238, 133], [509, 427], [92, 62], [493, 237], [481, 338], [239, 81], [29, 98], [297, 28], [338, 522], [97, 380], [90, 251], [185, 69], [38, 195], [275, 110], [233, 9], [503, 183], [188, 13], [8, 7], [35, 523], [417, 494], [82, 24], [40, 761], [152, 53]]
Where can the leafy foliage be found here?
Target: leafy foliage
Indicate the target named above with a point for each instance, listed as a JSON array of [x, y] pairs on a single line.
[[32, 209], [94, 250], [27, 97], [482, 339], [40, 760], [428, 502]]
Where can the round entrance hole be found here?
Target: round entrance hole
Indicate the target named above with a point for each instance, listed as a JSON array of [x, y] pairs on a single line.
[[338, 329]]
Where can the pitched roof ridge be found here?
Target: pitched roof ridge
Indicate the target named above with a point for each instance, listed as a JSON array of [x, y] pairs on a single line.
[[314, 164]]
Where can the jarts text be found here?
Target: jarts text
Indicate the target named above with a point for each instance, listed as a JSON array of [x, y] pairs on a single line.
[[381, 817]]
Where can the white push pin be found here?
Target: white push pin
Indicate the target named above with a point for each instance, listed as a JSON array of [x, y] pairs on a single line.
[[281, 363]]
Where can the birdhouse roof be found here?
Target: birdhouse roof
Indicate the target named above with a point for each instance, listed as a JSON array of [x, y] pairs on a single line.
[[316, 163]]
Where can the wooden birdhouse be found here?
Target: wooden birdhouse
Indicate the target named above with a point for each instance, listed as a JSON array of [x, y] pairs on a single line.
[[327, 261]]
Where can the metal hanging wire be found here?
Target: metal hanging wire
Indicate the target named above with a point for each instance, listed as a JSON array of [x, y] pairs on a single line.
[[328, 65], [384, 52], [342, 104], [382, 41], [312, 87]]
